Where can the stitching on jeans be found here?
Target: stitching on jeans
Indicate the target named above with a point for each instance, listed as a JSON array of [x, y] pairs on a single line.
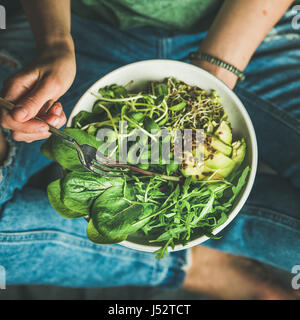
[[13, 238], [10, 238], [279, 114], [272, 215], [291, 122], [165, 48]]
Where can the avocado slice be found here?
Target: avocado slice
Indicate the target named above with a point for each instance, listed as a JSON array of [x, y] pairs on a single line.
[[216, 163], [192, 171], [211, 141], [220, 158], [223, 132], [189, 166], [238, 152], [220, 164]]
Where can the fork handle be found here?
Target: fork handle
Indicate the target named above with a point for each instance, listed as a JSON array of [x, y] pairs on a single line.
[[56, 131], [9, 106]]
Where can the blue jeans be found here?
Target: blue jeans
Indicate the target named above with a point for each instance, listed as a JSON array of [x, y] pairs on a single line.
[[37, 246]]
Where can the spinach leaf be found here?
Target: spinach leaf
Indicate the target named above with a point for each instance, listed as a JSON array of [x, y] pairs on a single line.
[[161, 89], [113, 91], [63, 152], [84, 117], [54, 195], [116, 215], [79, 189], [149, 125], [94, 235], [168, 212]]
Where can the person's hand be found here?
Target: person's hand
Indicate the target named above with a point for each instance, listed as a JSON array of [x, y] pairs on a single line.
[[229, 78], [35, 88]]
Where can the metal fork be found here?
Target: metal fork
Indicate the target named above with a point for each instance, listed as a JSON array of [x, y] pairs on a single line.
[[89, 156], [86, 153]]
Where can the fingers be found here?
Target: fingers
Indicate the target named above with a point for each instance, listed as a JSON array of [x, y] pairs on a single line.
[[33, 129], [29, 127], [30, 137], [29, 106]]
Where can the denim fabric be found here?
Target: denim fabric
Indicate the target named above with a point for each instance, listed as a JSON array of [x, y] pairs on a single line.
[[38, 246]]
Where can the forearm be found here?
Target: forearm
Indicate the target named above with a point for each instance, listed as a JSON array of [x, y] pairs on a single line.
[[237, 31], [47, 77], [50, 21]]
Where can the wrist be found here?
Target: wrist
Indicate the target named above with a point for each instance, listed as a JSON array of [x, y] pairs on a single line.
[[59, 41], [229, 78]]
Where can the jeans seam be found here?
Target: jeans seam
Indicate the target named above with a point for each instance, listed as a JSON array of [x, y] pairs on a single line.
[[165, 48], [167, 283], [272, 215], [169, 47], [174, 279], [28, 237], [277, 113]]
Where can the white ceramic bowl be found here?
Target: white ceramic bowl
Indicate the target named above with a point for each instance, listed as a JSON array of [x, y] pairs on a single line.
[[144, 71]]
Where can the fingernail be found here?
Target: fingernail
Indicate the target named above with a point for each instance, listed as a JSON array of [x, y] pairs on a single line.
[[56, 122], [58, 110], [20, 113]]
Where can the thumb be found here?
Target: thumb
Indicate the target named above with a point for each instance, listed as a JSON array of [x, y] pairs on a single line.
[[29, 106]]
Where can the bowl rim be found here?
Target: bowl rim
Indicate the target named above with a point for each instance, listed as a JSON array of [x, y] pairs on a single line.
[[253, 141]]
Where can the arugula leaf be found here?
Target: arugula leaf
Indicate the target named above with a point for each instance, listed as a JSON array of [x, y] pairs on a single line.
[[241, 182], [168, 212]]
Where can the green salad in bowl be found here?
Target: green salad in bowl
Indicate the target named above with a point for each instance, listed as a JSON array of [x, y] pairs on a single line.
[[173, 198]]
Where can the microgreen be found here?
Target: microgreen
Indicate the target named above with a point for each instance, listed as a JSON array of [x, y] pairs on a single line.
[[168, 208]]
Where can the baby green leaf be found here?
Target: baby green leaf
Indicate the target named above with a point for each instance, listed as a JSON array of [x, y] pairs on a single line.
[[94, 235], [84, 117], [79, 189], [54, 195], [63, 152], [115, 216]]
